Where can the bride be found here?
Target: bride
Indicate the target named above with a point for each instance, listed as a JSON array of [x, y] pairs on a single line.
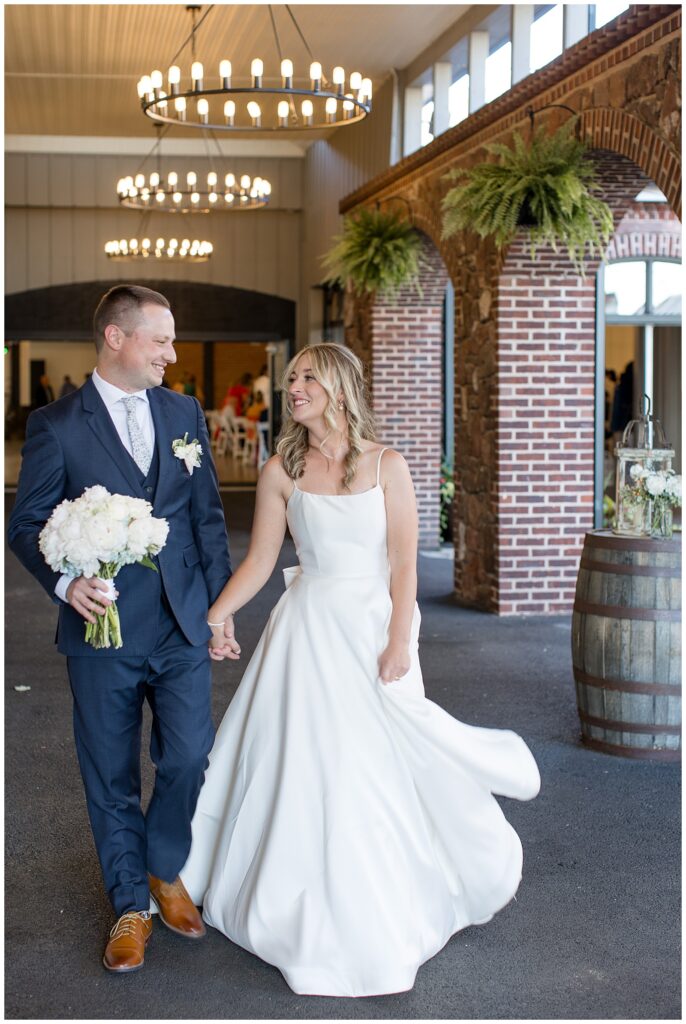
[[347, 826]]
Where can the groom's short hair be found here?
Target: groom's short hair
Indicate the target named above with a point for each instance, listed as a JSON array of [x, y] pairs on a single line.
[[121, 305]]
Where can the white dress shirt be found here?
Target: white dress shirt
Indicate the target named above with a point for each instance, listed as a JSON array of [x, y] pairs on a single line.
[[112, 397]]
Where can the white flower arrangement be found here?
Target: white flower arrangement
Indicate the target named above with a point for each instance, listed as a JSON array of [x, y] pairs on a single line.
[[660, 487], [188, 451], [96, 535]]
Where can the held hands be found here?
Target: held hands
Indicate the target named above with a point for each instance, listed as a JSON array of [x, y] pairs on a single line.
[[394, 663], [87, 597], [223, 643]]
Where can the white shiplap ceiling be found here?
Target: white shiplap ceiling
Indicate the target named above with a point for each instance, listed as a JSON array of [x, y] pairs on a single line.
[[72, 69]]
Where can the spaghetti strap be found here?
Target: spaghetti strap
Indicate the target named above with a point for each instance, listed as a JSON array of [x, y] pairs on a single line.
[[378, 465]]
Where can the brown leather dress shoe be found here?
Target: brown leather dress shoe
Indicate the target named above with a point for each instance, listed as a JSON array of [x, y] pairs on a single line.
[[176, 908], [126, 949]]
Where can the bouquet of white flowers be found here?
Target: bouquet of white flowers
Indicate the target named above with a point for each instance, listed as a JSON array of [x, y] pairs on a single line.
[[660, 488], [97, 534]]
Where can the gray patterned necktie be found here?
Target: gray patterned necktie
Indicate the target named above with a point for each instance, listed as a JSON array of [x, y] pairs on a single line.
[[141, 450]]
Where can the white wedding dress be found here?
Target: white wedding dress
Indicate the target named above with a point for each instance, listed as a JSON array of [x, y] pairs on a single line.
[[346, 828]]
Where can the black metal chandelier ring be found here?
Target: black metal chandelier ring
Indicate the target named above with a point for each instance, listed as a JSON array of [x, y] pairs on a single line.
[[354, 109]]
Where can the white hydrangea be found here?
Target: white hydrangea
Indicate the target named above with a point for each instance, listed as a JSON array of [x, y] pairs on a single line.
[[637, 471], [673, 489], [655, 484]]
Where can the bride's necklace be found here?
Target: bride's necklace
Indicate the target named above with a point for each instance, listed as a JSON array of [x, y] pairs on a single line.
[[320, 447]]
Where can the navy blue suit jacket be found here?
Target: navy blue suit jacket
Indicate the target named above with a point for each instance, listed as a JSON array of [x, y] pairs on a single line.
[[73, 444]]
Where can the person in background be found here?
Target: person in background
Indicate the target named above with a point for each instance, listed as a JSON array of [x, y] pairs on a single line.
[[239, 393], [68, 386], [263, 384], [43, 394]]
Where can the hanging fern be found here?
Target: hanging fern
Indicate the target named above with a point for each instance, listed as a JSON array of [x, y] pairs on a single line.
[[552, 180], [377, 252]]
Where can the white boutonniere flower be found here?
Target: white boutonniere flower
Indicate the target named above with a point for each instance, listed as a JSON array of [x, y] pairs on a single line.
[[188, 451]]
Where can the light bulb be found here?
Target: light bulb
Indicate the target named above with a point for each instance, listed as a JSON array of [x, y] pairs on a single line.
[[348, 107], [338, 76], [154, 179], [139, 180], [140, 89], [174, 76], [163, 100], [282, 110], [170, 252], [257, 68], [146, 84], [180, 107], [122, 243], [307, 108], [331, 105], [159, 244], [228, 196], [315, 71], [367, 87], [212, 179], [212, 197], [230, 180], [159, 196], [120, 185], [173, 243], [287, 68], [195, 197], [203, 109], [156, 79], [145, 243], [355, 81], [229, 110], [191, 178], [266, 188], [245, 181], [225, 69], [172, 179], [177, 197], [133, 244], [254, 110], [197, 71]]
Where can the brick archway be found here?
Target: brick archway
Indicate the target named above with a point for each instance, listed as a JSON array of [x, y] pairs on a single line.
[[616, 130], [624, 80]]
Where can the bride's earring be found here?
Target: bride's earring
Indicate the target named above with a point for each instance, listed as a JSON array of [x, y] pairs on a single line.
[[340, 405]]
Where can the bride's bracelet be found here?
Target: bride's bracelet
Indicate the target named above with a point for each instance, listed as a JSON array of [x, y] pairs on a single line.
[[222, 623]]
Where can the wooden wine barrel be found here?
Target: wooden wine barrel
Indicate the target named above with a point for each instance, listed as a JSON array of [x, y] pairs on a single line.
[[626, 645]]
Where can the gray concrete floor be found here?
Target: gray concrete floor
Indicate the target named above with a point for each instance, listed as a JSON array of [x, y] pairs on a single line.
[[594, 931]]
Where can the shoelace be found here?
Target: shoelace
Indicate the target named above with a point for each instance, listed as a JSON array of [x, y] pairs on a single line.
[[125, 924]]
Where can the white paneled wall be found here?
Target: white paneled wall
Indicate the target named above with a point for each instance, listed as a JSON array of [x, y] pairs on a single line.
[[61, 209]]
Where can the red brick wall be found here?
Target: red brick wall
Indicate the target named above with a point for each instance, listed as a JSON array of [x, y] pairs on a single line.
[[545, 395], [401, 339]]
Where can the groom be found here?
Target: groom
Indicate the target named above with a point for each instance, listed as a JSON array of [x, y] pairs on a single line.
[[117, 430]]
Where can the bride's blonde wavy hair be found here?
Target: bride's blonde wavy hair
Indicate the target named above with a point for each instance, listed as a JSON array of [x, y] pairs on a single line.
[[339, 371]]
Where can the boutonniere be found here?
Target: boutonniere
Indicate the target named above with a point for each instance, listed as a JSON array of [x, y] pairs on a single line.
[[189, 451]]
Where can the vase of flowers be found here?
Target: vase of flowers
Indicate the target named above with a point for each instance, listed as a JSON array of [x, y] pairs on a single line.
[[648, 500]]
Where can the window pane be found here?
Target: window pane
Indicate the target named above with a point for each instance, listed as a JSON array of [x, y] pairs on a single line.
[[427, 114], [667, 284], [498, 71], [608, 10], [458, 100], [625, 289], [546, 38]]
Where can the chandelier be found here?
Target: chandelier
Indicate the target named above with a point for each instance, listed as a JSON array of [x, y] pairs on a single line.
[[197, 101], [172, 196], [171, 251]]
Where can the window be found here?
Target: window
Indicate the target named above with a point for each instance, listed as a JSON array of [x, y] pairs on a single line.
[[498, 72], [625, 289], [427, 123], [546, 38], [607, 11], [666, 282], [458, 100]]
